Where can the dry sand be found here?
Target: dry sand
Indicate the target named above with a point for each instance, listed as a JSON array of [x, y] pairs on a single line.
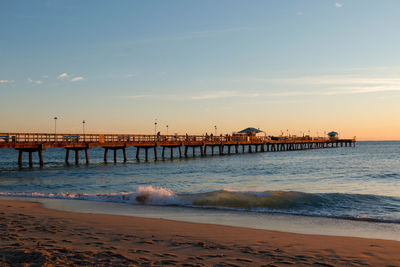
[[31, 234]]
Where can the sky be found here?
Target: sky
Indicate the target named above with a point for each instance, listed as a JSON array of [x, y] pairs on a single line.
[[293, 66]]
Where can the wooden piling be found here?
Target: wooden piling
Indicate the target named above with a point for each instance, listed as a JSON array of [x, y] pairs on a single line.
[[147, 153], [87, 155], [155, 153], [124, 153], [180, 151], [20, 157], [76, 156], [40, 154], [30, 159], [172, 152], [115, 155], [105, 154], [137, 153]]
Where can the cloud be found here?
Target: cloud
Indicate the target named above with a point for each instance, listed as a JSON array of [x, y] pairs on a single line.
[[62, 75], [186, 36], [33, 81], [139, 96], [327, 84], [6, 81], [224, 94], [338, 5], [75, 79]]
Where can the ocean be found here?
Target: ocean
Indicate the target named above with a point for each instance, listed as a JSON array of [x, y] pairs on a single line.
[[351, 191]]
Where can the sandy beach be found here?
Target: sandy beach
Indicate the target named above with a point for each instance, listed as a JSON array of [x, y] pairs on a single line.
[[31, 234]]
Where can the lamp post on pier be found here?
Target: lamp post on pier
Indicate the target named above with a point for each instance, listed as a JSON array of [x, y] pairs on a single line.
[[167, 129], [215, 128], [83, 126], [155, 127], [55, 128]]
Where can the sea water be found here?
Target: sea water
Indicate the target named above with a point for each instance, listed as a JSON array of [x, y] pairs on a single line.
[[348, 190]]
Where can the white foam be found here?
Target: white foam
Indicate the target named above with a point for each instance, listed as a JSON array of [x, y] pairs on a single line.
[[143, 195]]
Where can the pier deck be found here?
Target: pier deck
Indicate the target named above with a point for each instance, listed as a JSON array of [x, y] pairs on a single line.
[[37, 142]]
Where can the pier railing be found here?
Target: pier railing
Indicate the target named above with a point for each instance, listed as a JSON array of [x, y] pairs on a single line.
[[105, 138], [37, 142]]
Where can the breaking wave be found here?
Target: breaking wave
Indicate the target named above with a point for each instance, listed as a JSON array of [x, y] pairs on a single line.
[[337, 205]]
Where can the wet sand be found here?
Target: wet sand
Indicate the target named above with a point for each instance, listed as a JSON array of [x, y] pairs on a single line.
[[31, 234]]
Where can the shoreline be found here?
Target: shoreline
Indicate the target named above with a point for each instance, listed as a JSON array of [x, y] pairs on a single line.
[[282, 222], [31, 232]]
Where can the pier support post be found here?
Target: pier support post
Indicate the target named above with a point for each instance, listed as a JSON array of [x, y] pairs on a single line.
[[20, 157], [115, 155], [163, 152], [212, 150], [180, 151], [194, 151], [105, 154], [87, 156], [147, 153], [237, 149], [243, 149], [30, 159], [172, 152], [67, 156], [76, 156], [250, 151], [40, 154], [124, 153], [202, 151], [137, 153], [155, 153], [205, 150], [229, 149], [186, 151], [221, 149]]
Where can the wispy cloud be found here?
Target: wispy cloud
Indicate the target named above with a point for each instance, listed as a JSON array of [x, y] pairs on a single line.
[[63, 75], [328, 84], [139, 96], [76, 79], [339, 5], [189, 35], [29, 80], [6, 81], [223, 94]]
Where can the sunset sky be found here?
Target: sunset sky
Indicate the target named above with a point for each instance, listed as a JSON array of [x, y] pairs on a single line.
[[316, 65]]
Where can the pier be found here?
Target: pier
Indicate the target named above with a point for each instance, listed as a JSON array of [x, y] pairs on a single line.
[[198, 144]]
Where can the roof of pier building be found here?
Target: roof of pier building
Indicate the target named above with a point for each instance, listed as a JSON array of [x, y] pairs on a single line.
[[333, 134], [250, 131]]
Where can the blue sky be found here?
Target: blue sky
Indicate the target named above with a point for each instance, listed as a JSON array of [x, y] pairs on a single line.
[[298, 65]]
